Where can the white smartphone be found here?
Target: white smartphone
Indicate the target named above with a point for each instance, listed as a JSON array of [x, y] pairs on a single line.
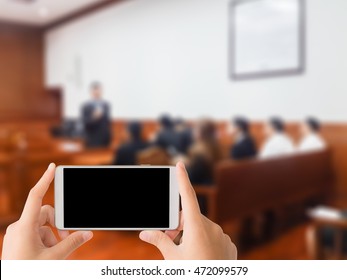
[[116, 198]]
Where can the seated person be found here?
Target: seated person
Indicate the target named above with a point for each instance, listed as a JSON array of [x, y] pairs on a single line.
[[244, 146], [184, 136], [96, 120], [127, 152], [203, 154], [167, 138], [311, 140], [277, 142]]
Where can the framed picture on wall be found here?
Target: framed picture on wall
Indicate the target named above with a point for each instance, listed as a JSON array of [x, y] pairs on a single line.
[[267, 38]]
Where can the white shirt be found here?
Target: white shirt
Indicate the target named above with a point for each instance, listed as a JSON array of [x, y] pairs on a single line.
[[98, 106], [277, 145], [239, 138], [312, 142]]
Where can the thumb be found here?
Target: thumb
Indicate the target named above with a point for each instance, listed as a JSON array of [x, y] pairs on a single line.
[[64, 248], [160, 240]]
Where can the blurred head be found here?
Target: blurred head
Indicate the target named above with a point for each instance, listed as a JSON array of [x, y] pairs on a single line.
[[239, 125], [310, 125], [135, 130], [206, 144], [180, 124], [96, 90], [273, 126], [166, 121], [205, 130]]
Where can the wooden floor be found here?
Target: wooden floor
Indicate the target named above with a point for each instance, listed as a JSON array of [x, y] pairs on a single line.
[[119, 245], [127, 246], [289, 246]]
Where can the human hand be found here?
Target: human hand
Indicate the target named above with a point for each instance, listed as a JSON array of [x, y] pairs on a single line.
[[201, 240], [179, 158], [31, 238]]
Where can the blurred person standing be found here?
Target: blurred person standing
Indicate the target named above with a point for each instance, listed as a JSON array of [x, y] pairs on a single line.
[[184, 136], [277, 142], [204, 153], [96, 119], [244, 146], [127, 152], [311, 139]]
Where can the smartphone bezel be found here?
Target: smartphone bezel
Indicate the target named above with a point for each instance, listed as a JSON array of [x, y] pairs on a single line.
[[59, 197]]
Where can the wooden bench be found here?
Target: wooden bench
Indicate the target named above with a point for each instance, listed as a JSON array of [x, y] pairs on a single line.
[[247, 188]]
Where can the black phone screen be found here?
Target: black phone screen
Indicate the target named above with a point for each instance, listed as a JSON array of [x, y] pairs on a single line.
[[116, 197]]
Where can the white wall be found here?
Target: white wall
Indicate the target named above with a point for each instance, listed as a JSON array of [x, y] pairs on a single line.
[[157, 56]]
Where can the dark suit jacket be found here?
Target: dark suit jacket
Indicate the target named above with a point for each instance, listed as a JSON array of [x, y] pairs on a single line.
[[126, 153], [200, 171], [243, 149], [185, 140], [168, 139], [97, 131]]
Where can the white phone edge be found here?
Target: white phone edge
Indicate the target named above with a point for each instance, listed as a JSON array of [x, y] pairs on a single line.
[[59, 201]]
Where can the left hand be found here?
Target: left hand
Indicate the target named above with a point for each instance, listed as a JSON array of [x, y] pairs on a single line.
[[32, 238]]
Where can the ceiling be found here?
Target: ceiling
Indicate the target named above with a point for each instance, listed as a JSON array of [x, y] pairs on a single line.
[[40, 12]]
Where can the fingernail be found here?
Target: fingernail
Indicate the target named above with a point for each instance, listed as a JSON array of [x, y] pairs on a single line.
[[143, 235], [51, 165], [87, 235], [180, 164]]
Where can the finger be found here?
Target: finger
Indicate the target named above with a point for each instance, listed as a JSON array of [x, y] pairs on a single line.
[[190, 205], [160, 240], [46, 215], [65, 247], [230, 247], [47, 236], [175, 236], [33, 204], [63, 233], [174, 233]]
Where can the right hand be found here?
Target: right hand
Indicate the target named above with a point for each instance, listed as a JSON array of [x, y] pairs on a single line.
[[201, 240]]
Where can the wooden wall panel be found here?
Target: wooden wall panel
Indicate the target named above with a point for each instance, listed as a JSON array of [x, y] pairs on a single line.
[[22, 93], [336, 136]]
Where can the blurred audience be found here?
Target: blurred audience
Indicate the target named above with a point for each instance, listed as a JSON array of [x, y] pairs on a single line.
[[244, 146], [311, 139], [96, 119], [204, 153], [184, 136], [167, 137], [127, 152], [277, 142]]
